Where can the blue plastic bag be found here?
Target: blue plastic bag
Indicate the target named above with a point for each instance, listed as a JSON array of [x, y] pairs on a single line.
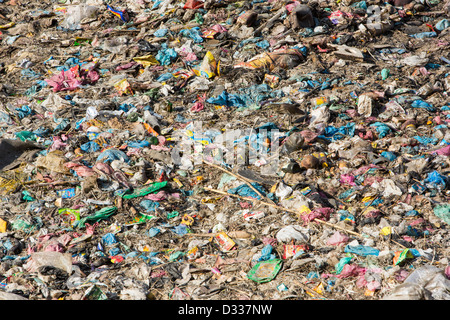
[[165, 55], [389, 155], [138, 144], [149, 205], [362, 250], [422, 35], [111, 155], [90, 146], [245, 191], [109, 239], [422, 104], [153, 232], [226, 99], [266, 253], [442, 24], [382, 129], [435, 180], [161, 33], [24, 111], [339, 133], [193, 33]]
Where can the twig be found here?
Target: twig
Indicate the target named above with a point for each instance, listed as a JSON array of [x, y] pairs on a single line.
[[238, 176], [284, 209], [307, 289], [269, 22], [36, 184], [208, 235]]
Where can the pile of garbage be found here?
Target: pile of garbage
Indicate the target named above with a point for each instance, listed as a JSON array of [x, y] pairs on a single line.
[[224, 150]]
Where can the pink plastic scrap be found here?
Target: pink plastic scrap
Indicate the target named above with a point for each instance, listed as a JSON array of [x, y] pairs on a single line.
[[81, 170], [199, 105], [308, 135], [348, 179], [161, 195], [337, 238], [319, 213], [351, 270], [64, 81], [443, 151], [57, 144], [219, 28], [91, 76], [292, 6]]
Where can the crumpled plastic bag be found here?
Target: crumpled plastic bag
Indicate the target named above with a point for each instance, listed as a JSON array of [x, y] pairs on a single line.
[[146, 61], [166, 55], [226, 99], [145, 190], [443, 212], [318, 213], [75, 14], [425, 283], [389, 188], [53, 161], [111, 155], [436, 180], [362, 250], [101, 214], [194, 33], [54, 259], [293, 232], [320, 115], [365, 105], [209, 67], [337, 238], [245, 191]]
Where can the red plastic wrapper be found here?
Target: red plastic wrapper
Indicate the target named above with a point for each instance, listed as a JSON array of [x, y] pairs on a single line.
[[290, 250], [193, 4]]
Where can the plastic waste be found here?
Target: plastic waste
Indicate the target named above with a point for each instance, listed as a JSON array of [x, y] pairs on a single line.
[[425, 283]]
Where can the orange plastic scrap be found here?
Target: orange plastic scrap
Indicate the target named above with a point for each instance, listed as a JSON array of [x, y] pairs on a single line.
[[149, 129], [224, 241], [262, 60], [283, 58]]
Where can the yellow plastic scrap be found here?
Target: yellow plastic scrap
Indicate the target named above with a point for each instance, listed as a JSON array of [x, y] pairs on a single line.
[[123, 87], [8, 25], [146, 61], [304, 210], [187, 220], [8, 186], [178, 182], [367, 199], [3, 225], [209, 67], [368, 210], [319, 288], [369, 293], [386, 231]]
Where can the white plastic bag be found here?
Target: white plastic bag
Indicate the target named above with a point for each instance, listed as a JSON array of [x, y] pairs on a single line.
[[293, 232]]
